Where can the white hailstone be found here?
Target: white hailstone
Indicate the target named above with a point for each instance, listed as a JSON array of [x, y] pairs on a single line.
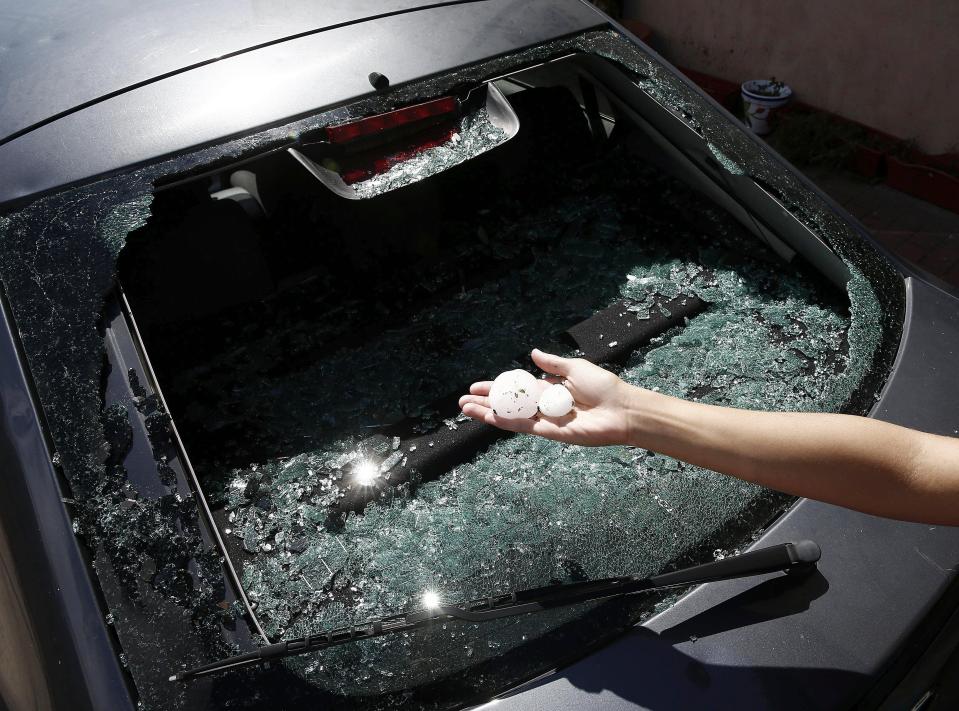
[[513, 395], [555, 401]]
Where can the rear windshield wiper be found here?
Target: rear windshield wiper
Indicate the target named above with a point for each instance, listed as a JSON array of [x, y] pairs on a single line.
[[782, 557]]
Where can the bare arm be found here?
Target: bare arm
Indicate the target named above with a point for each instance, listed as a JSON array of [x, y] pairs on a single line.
[[856, 462]]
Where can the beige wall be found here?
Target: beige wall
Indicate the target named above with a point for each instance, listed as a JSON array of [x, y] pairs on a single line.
[[890, 65]]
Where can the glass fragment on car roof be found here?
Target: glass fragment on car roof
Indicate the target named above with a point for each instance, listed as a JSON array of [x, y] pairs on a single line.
[[475, 135], [726, 162]]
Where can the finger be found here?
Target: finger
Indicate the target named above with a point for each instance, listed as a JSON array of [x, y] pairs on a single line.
[[545, 427], [540, 427], [551, 363], [484, 414], [521, 426], [475, 400], [475, 411], [481, 388]]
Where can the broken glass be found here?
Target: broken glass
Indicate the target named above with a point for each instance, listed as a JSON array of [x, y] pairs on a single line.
[[475, 135], [524, 511]]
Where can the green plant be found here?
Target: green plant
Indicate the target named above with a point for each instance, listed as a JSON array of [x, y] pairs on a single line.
[[772, 88]]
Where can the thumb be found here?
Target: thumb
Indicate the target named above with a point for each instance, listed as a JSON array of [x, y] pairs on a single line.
[[551, 363]]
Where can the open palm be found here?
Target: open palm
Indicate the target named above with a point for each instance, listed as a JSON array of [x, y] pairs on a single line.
[[598, 416]]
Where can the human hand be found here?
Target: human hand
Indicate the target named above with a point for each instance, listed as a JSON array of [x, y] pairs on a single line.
[[600, 414]]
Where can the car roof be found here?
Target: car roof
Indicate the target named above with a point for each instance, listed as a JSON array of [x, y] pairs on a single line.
[[239, 93], [58, 55]]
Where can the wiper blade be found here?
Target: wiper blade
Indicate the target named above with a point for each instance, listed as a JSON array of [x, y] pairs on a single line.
[[782, 557]]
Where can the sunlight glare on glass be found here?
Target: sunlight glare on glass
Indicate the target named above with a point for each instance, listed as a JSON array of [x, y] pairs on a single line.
[[431, 599], [365, 473]]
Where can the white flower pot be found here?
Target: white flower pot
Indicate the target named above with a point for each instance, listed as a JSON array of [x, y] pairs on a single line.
[[760, 105]]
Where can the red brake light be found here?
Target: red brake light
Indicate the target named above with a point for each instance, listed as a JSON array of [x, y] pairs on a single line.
[[344, 133], [364, 170]]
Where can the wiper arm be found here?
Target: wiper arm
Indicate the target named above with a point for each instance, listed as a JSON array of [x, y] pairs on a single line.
[[783, 557]]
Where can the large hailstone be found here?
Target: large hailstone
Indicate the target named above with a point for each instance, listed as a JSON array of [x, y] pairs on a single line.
[[556, 401], [513, 395]]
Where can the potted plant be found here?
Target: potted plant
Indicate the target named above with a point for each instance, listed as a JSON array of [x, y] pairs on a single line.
[[761, 99]]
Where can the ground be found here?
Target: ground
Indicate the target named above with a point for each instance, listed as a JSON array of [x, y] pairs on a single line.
[[917, 231]]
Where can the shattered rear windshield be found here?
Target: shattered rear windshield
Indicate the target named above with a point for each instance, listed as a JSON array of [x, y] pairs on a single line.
[[299, 337]]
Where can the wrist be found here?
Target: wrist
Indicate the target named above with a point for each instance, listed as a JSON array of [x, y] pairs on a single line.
[[651, 418]]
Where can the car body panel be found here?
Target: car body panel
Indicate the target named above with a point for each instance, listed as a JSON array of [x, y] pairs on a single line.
[[58, 607], [53, 56], [273, 84]]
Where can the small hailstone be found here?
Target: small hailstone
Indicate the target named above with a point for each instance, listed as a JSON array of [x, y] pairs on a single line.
[[556, 401], [513, 395]]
